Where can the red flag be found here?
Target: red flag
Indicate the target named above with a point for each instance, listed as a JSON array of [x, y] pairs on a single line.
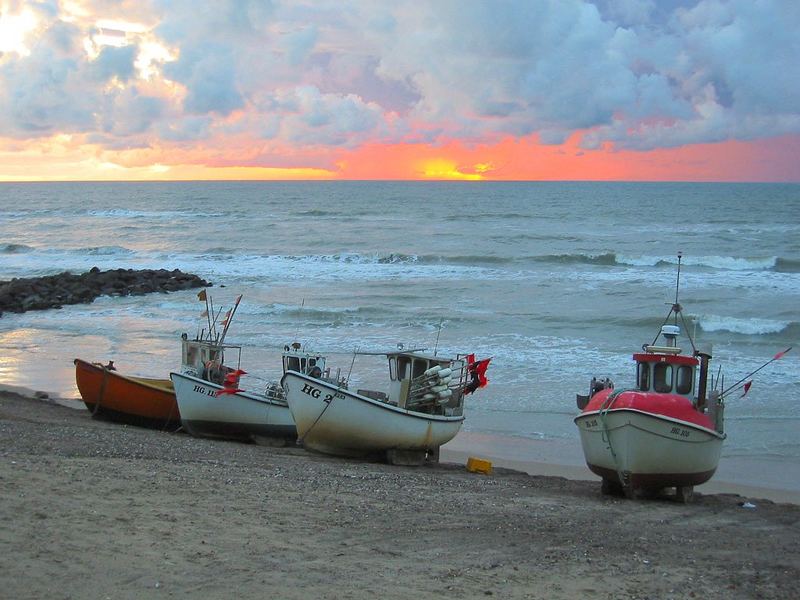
[[746, 389], [227, 316], [480, 370], [780, 354], [477, 371]]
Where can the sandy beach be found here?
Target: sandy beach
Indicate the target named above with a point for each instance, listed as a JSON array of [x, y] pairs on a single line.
[[91, 509]]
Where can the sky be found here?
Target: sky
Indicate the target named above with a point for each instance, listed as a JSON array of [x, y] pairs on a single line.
[[640, 90]]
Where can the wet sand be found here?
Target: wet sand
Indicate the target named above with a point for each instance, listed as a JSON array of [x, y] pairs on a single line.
[[91, 509]]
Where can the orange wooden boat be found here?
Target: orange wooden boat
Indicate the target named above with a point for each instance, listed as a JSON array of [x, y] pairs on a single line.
[[135, 400]]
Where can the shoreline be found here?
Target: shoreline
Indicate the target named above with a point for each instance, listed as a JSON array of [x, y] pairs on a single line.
[[561, 459]]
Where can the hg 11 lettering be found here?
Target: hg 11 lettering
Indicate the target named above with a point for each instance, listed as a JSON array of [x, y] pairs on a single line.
[[201, 390]]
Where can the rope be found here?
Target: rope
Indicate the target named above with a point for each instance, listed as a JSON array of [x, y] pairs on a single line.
[[327, 405], [604, 408]]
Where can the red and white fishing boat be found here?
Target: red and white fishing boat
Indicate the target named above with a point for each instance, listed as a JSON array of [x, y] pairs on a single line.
[[665, 432]]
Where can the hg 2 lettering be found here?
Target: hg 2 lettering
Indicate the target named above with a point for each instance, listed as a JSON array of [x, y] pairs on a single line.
[[316, 393]]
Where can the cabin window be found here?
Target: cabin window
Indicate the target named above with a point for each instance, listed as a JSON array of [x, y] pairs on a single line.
[[191, 356], [403, 364], [420, 366], [293, 363], [392, 368], [643, 376], [662, 377], [685, 380]]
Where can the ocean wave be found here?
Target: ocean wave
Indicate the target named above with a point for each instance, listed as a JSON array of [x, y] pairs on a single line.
[[786, 265], [712, 323], [728, 263], [589, 259], [102, 251], [125, 213], [15, 248], [722, 263]]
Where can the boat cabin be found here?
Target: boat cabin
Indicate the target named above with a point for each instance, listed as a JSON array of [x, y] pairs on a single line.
[[663, 369], [296, 359], [413, 382], [198, 354]]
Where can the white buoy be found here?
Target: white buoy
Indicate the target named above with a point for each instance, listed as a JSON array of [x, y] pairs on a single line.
[[432, 370]]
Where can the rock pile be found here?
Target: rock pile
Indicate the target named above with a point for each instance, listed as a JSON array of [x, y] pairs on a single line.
[[53, 291]]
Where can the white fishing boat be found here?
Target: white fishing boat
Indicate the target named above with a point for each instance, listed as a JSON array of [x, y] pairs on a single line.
[[219, 409], [423, 408], [667, 431]]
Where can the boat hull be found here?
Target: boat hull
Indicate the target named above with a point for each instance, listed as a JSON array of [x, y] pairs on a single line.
[[337, 421], [241, 416], [134, 400], [650, 451]]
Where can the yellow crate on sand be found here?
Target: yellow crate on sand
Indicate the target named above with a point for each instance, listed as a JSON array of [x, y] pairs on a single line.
[[479, 465]]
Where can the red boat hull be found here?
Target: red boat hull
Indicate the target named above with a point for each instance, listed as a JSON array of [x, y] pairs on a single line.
[[135, 400]]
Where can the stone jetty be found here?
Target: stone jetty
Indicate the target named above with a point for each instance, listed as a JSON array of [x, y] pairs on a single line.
[[54, 291]]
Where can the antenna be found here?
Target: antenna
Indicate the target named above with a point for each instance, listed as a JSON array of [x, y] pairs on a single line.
[[297, 331], [438, 331], [678, 279], [355, 352], [677, 309]]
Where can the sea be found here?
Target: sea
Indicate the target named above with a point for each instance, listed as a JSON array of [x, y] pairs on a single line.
[[556, 282]]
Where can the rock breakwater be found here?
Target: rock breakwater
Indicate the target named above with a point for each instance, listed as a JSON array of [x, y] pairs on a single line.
[[53, 291]]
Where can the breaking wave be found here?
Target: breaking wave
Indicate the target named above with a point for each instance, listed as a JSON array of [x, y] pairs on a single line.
[[745, 326]]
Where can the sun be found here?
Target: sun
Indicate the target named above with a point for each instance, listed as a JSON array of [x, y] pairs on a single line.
[[443, 168], [14, 29]]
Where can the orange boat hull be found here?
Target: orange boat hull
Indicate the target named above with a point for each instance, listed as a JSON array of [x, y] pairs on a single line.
[[135, 400]]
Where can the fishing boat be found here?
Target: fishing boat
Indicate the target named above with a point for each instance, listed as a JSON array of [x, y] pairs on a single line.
[[222, 410], [135, 400], [151, 402], [423, 408], [145, 401], [667, 431]]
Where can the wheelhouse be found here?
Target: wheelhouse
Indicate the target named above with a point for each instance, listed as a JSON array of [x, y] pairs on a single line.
[[407, 372], [197, 354], [295, 359], [663, 369]]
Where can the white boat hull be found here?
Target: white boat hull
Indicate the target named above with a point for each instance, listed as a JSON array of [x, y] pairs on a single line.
[[337, 421], [649, 451], [241, 416]]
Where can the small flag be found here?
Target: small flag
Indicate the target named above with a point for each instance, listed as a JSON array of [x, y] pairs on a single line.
[[202, 296], [746, 388], [227, 316], [480, 369], [230, 390], [779, 355], [477, 371]]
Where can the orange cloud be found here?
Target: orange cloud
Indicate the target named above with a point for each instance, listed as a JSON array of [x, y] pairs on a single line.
[[70, 158]]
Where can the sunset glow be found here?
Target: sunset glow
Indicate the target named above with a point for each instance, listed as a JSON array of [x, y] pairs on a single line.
[[130, 91]]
